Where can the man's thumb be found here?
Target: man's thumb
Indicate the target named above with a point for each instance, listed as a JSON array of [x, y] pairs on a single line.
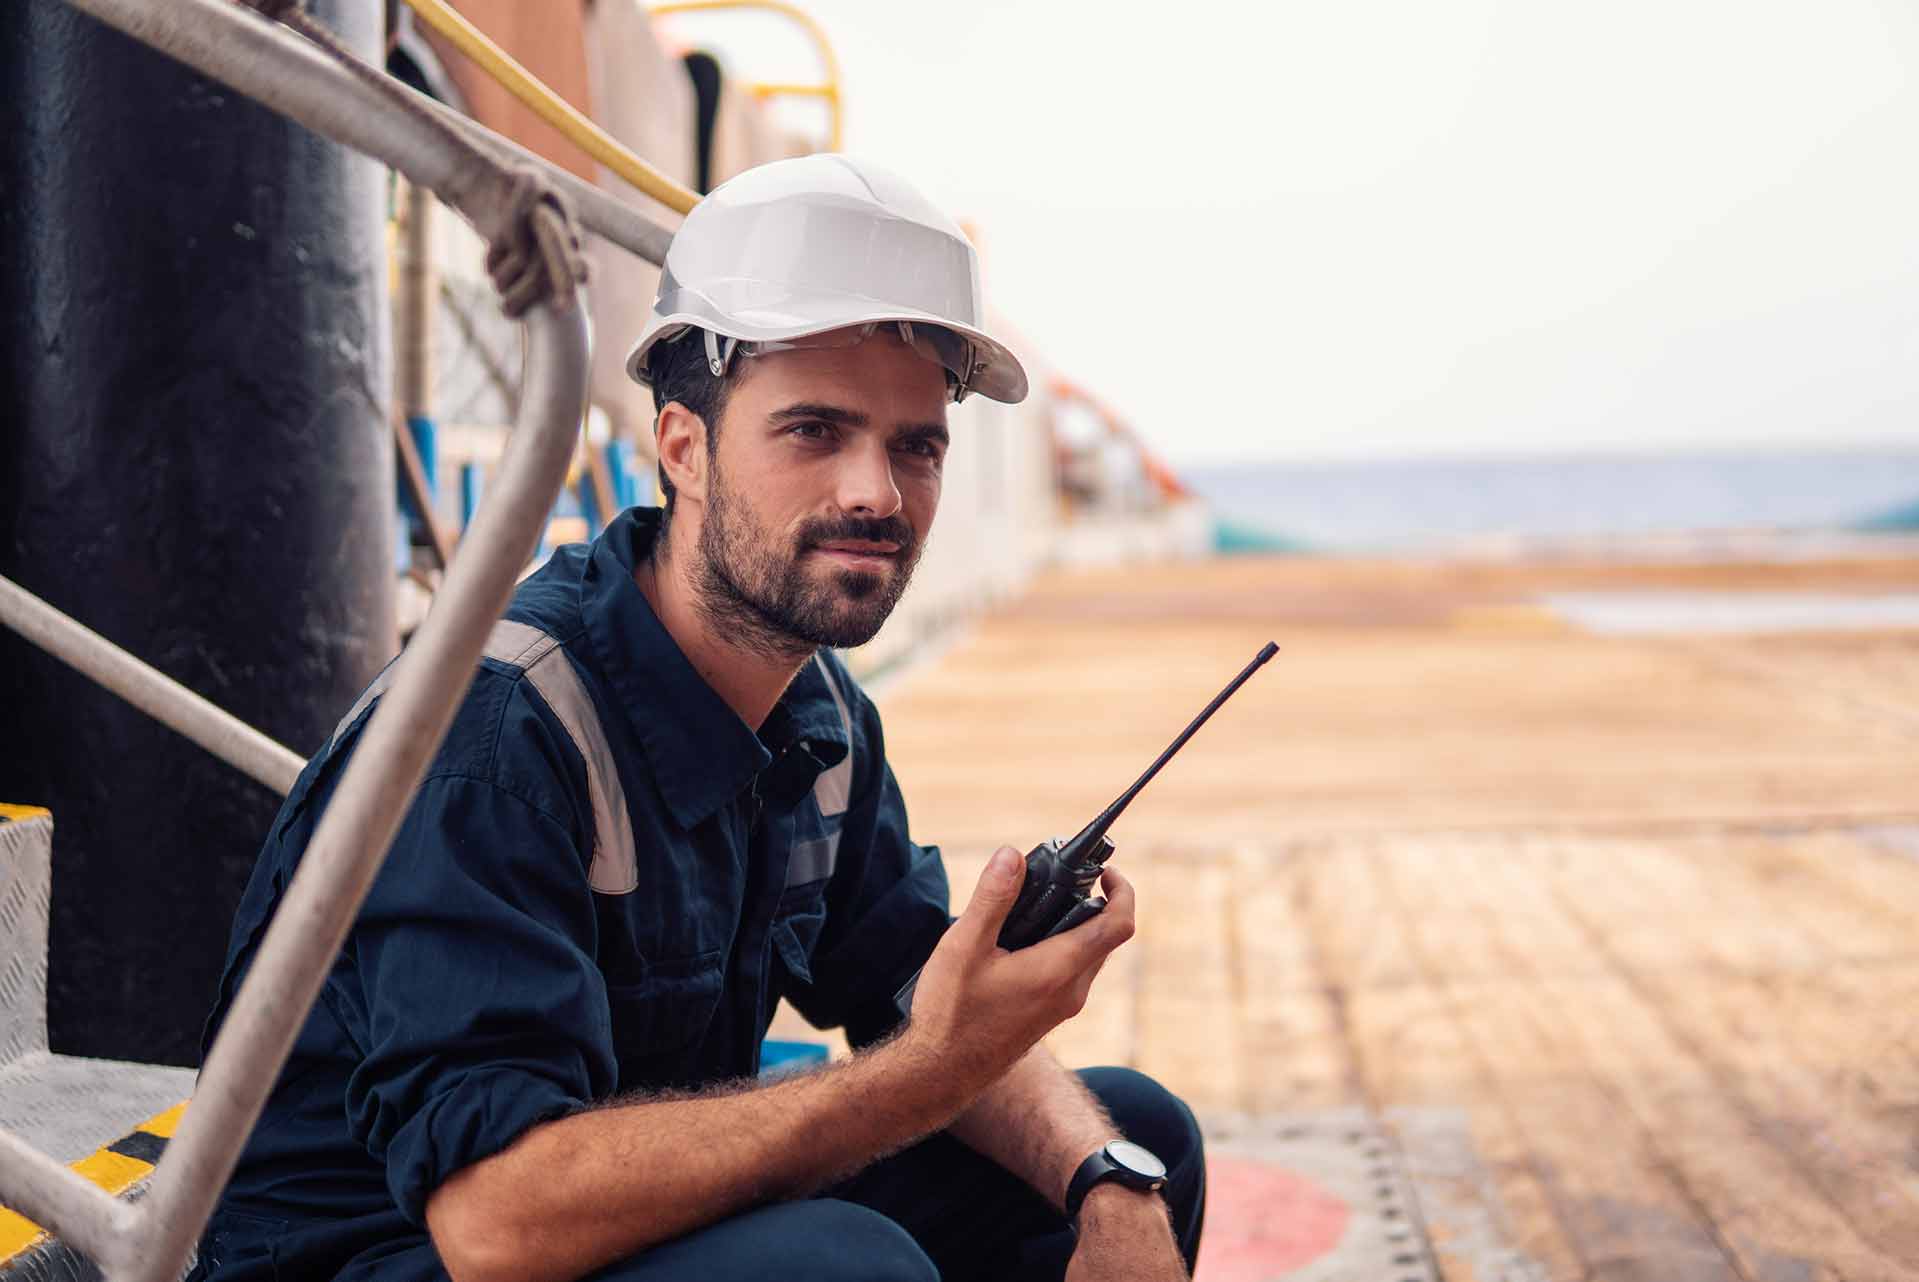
[[994, 896]]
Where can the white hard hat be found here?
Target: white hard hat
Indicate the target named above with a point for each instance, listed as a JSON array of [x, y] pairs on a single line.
[[821, 243]]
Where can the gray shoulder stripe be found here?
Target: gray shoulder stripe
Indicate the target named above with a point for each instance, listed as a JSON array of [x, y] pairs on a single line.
[[517, 643], [367, 696], [615, 869], [834, 789]]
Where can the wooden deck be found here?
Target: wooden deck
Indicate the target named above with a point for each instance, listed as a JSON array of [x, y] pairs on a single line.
[[1617, 937]]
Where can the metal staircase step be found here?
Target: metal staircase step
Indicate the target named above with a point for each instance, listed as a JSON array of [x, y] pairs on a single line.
[[107, 1119], [67, 1107], [27, 1252]]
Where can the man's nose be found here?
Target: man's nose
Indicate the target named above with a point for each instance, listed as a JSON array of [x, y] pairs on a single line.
[[866, 483]]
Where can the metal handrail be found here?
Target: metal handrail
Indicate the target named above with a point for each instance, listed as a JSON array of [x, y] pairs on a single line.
[[150, 1240], [599, 211], [253, 56], [550, 107], [149, 689]]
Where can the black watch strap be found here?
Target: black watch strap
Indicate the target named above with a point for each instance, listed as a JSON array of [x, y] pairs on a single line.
[[1121, 1161]]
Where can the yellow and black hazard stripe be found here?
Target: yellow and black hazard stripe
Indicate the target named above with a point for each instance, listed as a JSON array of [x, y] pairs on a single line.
[[116, 1168]]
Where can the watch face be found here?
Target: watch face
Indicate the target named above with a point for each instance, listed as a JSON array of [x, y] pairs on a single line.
[[1136, 1159]]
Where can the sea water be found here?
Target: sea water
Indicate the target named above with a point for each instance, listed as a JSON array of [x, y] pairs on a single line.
[[1429, 503]]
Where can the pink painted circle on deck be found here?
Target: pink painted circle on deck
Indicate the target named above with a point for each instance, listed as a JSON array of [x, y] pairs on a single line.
[[1263, 1221]]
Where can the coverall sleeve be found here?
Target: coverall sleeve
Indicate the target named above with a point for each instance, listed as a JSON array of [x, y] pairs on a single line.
[[886, 906], [482, 1010]]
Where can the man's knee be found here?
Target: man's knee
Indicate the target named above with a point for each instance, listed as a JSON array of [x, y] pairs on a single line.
[[1149, 1114], [817, 1240], [858, 1244], [847, 1242]]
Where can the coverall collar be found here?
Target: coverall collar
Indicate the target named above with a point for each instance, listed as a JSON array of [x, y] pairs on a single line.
[[701, 752]]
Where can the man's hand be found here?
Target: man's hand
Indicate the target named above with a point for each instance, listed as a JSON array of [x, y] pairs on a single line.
[[978, 1007], [1125, 1236]]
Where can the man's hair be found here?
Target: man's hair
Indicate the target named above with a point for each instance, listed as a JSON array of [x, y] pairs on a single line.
[[679, 372]]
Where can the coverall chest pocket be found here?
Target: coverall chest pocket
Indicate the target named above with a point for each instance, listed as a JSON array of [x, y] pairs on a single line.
[[660, 1021]]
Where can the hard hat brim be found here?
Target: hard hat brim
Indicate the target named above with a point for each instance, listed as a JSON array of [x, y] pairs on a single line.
[[1003, 379]]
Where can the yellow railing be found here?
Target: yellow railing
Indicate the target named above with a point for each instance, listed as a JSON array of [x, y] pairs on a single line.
[[829, 91], [596, 142], [550, 107]]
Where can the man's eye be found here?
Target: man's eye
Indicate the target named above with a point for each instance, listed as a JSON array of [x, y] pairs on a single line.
[[811, 429], [921, 448]]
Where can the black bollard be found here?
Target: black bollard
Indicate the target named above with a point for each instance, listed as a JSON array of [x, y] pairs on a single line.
[[195, 460]]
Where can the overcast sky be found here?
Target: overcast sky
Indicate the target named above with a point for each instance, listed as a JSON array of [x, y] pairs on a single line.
[[1389, 227]]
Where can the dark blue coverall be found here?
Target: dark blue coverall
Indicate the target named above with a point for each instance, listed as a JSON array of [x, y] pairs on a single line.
[[499, 977]]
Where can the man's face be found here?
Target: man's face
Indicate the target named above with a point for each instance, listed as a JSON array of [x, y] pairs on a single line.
[[821, 493]]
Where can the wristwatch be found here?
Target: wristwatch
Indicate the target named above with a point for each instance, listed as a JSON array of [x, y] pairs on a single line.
[[1121, 1161]]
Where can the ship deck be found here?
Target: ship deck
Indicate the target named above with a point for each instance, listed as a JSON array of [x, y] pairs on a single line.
[[1609, 938]]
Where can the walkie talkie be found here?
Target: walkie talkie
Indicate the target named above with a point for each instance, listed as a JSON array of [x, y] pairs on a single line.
[[1059, 874]]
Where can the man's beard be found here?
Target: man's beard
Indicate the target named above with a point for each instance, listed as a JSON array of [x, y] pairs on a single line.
[[761, 597]]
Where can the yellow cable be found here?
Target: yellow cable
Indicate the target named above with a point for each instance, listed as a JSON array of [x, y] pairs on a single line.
[[829, 91], [550, 107]]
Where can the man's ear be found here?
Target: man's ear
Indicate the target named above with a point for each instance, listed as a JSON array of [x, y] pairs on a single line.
[[680, 436]]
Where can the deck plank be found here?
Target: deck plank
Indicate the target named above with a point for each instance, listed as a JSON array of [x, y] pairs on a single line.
[[1295, 1054], [1763, 1206], [1417, 1047], [1606, 1178], [1782, 1044], [1189, 972]]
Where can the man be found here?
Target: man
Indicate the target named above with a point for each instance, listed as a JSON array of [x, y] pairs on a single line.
[[663, 807]]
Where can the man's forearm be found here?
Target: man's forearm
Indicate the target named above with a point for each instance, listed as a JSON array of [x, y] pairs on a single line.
[[1038, 1121], [581, 1192]]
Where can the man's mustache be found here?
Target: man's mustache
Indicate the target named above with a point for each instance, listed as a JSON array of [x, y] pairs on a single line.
[[876, 529]]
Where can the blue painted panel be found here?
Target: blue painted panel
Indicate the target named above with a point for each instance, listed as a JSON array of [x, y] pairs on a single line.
[[783, 1057]]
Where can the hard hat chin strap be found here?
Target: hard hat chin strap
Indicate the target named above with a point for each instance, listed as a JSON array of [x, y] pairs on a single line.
[[719, 355]]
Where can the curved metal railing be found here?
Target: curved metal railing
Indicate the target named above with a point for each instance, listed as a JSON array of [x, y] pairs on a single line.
[[150, 1240]]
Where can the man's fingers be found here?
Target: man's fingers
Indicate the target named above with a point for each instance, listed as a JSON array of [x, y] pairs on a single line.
[[1087, 944], [1083, 986], [1114, 925], [1120, 903], [993, 898]]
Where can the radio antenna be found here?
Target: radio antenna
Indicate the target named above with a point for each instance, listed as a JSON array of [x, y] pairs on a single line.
[[1092, 832]]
